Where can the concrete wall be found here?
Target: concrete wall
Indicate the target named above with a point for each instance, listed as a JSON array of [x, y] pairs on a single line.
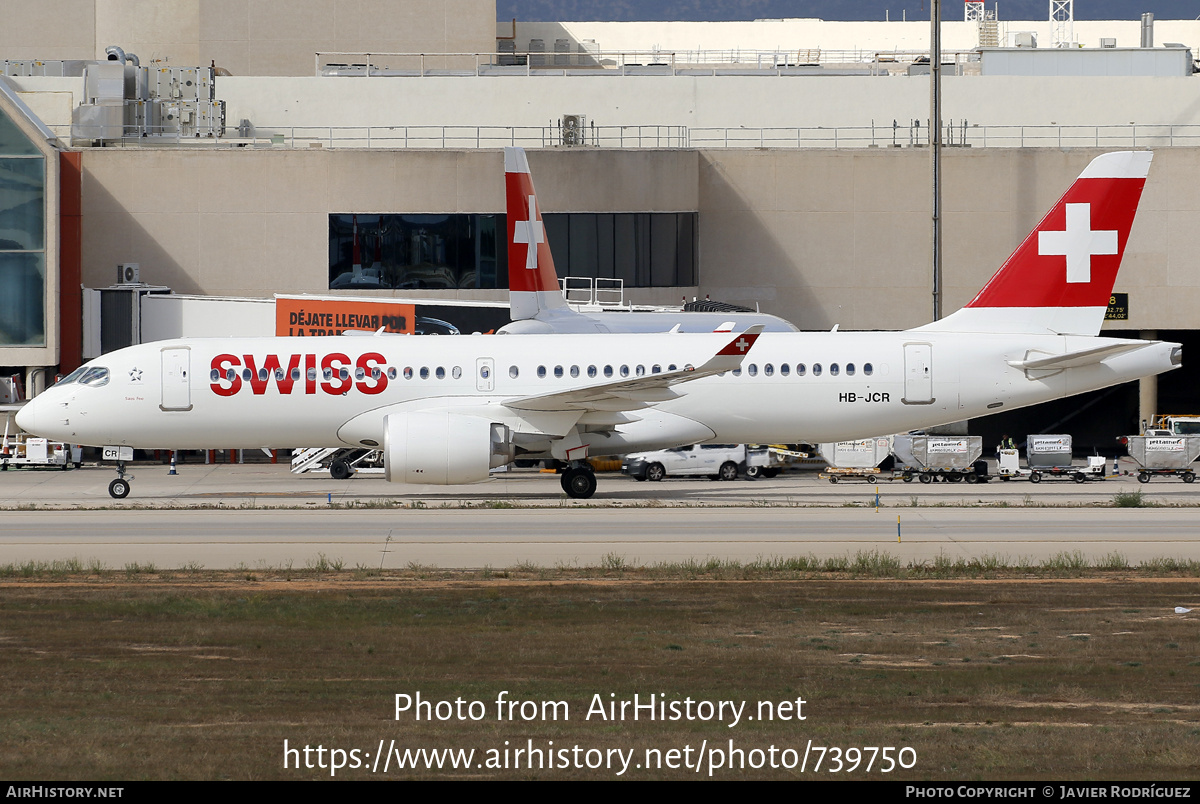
[[705, 101], [256, 222], [821, 237], [259, 37]]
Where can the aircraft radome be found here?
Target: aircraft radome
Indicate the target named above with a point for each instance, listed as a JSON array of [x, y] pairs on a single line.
[[447, 410]]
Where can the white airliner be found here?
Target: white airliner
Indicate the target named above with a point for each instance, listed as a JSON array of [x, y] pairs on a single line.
[[446, 410], [536, 302]]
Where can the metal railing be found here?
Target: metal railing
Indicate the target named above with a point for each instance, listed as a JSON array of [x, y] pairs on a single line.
[[606, 293], [912, 134], [899, 135], [371, 65], [406, 137]]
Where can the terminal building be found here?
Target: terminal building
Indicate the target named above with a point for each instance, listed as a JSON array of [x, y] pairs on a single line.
[[213, 150]]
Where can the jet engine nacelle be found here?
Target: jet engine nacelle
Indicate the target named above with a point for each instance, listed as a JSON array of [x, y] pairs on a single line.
[[443, 448]]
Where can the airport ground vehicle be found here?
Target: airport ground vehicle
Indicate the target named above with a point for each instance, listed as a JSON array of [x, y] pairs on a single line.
[[1048, 456], [768, 461], [716, 461], [29, 451], [1161, 454], [341, 463]]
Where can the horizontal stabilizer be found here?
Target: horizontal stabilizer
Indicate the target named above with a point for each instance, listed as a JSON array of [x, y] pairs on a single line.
[[1085, 357]]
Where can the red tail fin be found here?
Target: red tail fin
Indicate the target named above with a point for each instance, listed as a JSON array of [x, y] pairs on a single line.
[[1061, 277], [532, 280]]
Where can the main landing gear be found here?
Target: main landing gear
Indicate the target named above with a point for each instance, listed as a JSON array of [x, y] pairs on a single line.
[[119, 488], [578, 480]]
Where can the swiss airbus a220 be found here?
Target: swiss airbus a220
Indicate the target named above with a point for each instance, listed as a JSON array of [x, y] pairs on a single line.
[[447, 410]]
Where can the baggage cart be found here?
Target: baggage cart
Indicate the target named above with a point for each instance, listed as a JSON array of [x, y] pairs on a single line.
[[854, 459], [946, 458], [1163, 455]]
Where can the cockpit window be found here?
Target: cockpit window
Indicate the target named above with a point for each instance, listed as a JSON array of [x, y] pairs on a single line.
[[94, 376], [72, 377]]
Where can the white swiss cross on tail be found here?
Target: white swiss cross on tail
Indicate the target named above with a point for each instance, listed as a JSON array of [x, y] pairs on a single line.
[[1078, 242], [1060, 279], [530, 233]]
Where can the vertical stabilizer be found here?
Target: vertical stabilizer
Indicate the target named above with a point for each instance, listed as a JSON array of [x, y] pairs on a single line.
[[1060, 278], [532, 280]]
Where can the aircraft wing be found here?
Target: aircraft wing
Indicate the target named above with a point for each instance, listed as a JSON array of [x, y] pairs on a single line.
[[640, 392]]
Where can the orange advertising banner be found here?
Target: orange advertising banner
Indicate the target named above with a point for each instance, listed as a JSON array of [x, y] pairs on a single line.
[[330, 317]]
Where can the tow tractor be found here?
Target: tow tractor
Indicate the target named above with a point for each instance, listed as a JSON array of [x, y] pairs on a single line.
[[1048, 456]]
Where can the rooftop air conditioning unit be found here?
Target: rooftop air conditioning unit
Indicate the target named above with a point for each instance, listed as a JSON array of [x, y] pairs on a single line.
[[574, 130], [128, 273]]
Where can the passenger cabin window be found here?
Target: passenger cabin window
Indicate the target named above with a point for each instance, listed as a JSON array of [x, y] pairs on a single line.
[[816, 369], [868, 369]]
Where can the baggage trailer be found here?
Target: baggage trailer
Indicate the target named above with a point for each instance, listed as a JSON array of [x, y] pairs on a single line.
[[1048, 456], [947, 458], [1163, 455], [854, 459]]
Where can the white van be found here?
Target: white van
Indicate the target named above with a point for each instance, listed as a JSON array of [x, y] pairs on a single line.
[[716, 461]]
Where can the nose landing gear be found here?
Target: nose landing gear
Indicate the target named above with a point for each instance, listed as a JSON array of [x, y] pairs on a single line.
[[119, 488]]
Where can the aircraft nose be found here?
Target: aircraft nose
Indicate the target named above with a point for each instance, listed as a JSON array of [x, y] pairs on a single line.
[[29, 416]]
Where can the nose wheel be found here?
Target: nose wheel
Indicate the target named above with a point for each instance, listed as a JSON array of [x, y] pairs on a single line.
[[119, 488], [579, 481]]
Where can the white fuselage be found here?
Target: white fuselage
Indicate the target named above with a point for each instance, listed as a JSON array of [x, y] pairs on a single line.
[[179, 394]]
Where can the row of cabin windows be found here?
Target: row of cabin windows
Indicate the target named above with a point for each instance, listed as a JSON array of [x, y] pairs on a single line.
[[835, 369], [424, 372]]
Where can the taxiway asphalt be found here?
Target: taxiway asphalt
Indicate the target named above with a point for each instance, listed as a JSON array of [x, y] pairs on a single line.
[[260, 515]]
